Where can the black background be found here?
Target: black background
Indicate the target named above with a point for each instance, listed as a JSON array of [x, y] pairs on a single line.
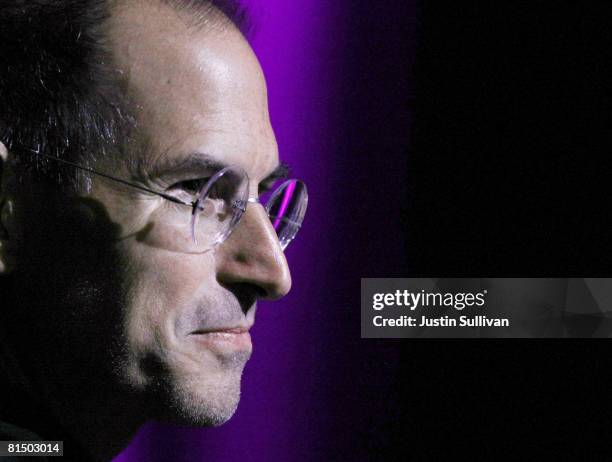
[[480, 139]]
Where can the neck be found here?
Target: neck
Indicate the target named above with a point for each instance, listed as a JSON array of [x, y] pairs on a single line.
[[93, 428], [103, 425], [58, 393]]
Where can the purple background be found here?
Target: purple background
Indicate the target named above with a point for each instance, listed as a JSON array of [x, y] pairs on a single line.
[[339, 94]]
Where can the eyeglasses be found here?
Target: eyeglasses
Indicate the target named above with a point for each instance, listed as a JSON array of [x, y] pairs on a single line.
[[216, 209]]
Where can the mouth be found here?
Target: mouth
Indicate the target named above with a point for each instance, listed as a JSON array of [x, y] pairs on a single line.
[[228, 330], [223, 340]]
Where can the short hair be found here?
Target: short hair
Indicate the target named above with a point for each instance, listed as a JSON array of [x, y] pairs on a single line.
[[56, 96]]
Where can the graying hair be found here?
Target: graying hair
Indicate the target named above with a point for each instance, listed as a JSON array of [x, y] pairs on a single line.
[[57, 94]]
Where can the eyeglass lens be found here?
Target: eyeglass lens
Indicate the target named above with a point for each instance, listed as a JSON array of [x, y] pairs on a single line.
[[222, 201], [286, 209], [218, 207]]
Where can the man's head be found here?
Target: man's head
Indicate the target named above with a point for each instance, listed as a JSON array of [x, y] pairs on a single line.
[[101, 306]]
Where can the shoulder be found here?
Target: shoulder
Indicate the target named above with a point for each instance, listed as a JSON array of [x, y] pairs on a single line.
[[12, 432]]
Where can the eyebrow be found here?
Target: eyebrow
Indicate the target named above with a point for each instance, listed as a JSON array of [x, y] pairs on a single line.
[[200, 163], [194, 163], [281, 171]]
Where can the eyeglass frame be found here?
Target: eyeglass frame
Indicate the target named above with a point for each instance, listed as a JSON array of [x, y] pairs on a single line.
[[193, 204]]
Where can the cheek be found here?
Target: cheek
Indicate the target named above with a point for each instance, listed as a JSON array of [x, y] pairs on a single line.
[[161, 287]]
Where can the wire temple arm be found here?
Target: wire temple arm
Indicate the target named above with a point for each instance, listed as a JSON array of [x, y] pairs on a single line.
[[286, 220], [119, 180]]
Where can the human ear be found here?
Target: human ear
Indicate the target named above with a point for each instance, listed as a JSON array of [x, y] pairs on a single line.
[[6, 211]]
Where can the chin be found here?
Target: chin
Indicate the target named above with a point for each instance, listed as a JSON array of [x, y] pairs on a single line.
[[204, 397]]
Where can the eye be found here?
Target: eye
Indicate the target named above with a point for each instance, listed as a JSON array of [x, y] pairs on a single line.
[[192, 186], [265, 187]]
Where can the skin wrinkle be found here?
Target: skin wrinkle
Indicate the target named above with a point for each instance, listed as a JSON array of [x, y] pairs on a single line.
[[212, 94]]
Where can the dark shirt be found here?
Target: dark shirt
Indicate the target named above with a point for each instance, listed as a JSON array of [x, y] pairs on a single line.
[[24, 419], [9, 432]]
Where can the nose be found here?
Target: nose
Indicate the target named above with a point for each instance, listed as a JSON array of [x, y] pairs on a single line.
[[252, 255]]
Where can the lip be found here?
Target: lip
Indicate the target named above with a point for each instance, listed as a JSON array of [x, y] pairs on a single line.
[[228, 330], [222, 340]]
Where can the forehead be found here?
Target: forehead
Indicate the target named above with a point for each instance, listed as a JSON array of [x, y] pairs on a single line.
[[195, 89]]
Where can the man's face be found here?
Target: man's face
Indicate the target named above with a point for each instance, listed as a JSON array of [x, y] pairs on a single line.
[[200, 96]]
